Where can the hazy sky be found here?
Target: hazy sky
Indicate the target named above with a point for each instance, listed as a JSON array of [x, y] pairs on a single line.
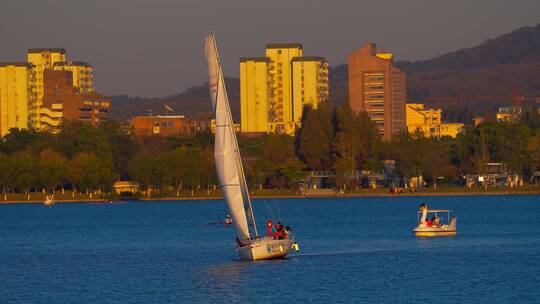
[[155, 47]]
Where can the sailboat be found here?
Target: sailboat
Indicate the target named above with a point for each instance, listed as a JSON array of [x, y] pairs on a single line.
[[230, 171]]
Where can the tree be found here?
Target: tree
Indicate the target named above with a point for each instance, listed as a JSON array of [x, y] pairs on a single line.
[[27, 172], [184, 165], [436, 160], [123, 146], [96, 173], [293, 171], [408, 151], [533, 150], [7, 173], [315, 137], [77, 136], [53, 170], [150, 171]]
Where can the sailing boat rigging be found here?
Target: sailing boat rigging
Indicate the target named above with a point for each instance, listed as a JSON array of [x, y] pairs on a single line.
[[230, 171]]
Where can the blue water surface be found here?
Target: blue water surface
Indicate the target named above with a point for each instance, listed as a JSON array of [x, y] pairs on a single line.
[[353, 250]]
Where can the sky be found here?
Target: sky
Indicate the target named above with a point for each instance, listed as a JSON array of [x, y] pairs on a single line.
[[155, 48]]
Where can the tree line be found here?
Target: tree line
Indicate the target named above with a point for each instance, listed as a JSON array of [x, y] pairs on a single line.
[[90, 159]]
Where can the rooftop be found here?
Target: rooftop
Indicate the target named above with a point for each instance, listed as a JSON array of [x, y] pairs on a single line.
[[71, 63], [283, 45], [257, 59], [309, 58], [16, 63], [41, 50]]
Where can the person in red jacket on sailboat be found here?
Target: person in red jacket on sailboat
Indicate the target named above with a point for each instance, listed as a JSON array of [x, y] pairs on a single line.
[[269, 226]]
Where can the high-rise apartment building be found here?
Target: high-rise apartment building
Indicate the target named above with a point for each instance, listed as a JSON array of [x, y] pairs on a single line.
[[42, 59], [82, 74], [377, 87], [281, 105], [255, 94], [274, 89], [310, 84], [17, 95]]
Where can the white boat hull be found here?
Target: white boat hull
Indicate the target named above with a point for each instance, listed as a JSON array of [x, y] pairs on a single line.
[[265, 249], [444, 230]]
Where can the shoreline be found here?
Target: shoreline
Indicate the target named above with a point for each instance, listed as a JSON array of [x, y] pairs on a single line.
[[284, 196]]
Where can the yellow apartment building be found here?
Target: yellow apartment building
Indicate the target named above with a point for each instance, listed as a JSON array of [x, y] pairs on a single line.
[[274, 89], [17, 95], [281, 106], [42, 59], [82, 74], [255, 94], [310, 84], [429, 121]]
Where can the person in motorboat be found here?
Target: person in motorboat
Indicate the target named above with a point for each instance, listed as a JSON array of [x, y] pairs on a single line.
[[435, 221]]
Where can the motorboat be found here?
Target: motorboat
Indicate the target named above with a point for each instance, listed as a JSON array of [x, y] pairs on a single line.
[[435, 223]]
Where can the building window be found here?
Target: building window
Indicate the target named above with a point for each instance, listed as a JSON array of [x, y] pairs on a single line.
[[376, 77]]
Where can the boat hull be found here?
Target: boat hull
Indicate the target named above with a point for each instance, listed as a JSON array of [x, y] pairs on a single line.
[[434, 233], [445, 230], [265, 249]]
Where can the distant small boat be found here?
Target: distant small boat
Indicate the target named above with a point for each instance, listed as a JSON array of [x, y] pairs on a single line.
[[230, 172], [227, 220], [49, 201], [435, 226]]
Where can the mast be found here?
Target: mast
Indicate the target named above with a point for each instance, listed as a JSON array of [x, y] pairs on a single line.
[[230, 125]]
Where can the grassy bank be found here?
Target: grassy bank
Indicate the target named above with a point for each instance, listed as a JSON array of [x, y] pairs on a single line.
[[203, 194]]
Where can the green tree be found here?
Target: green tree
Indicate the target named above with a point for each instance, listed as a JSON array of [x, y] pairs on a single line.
[[96, 173], [123, 146], [150, 171], [7, 173], [184, 167], [77, 136], [315, 137], [27, 172], [53, 170]]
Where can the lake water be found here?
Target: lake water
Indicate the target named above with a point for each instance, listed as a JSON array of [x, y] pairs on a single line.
[[357, 250]]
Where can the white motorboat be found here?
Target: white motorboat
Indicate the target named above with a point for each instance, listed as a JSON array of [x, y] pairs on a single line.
[[430, 224], [230, 172]]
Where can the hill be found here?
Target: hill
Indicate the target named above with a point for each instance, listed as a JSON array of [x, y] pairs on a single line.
[[465, 83], [470, 81]]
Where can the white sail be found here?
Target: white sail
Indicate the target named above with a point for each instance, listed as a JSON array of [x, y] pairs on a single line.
[[226, 152]]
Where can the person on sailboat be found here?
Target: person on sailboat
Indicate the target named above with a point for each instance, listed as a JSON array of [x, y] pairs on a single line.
[[280, 232], [269, 226]]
